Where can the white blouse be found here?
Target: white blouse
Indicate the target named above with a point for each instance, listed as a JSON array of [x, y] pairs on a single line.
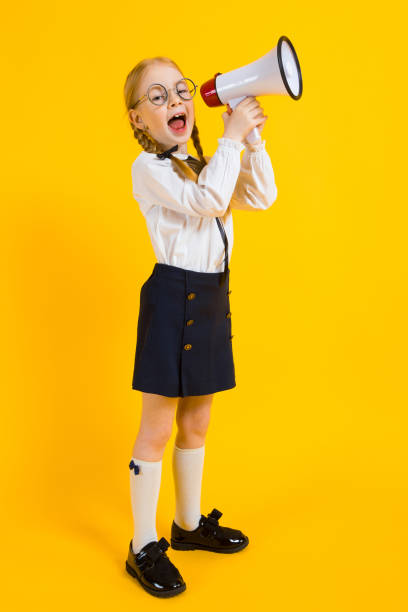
[[180, 213]]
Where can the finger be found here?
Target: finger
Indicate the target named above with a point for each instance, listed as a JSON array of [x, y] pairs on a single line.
[[262, 122], [257, 113], [256, 106], [243, 102], [252, 102], [247, 101]]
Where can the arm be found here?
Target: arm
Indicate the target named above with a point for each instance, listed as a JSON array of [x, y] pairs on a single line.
[[156, 182], [255, 188]]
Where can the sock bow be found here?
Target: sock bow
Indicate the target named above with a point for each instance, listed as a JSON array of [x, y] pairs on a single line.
[[133, 466]]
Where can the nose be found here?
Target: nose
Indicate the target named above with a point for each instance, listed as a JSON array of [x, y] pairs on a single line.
[[173, 97]]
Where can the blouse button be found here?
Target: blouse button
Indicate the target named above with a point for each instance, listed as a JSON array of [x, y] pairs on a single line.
[[190, 322], [229, 291], [228, 315], [191, 296], [187, 347]]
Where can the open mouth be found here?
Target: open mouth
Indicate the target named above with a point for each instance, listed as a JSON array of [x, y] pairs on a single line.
[[178, 122]]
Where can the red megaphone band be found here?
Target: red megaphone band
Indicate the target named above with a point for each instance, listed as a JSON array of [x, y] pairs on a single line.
[[209, 92]]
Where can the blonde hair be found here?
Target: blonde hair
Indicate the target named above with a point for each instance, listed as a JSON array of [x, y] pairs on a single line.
[[148, 143]]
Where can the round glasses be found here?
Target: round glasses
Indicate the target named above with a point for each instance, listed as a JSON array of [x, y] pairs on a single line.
[[158, 94]]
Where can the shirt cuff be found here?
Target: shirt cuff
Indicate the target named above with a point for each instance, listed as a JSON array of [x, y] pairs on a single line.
[[260, 146], [231, 144]]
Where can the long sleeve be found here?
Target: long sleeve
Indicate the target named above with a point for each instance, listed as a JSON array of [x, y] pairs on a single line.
[[156, 182], [255, 188]]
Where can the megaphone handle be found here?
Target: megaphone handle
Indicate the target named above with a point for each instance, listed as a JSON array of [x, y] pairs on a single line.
[[253, 135]]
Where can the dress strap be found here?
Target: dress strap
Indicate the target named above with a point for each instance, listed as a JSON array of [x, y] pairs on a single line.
[[197, 165]]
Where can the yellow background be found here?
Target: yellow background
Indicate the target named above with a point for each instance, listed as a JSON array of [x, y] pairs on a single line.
[[307, 455]]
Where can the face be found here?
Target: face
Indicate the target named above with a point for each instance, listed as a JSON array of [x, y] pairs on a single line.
[[154, 119]]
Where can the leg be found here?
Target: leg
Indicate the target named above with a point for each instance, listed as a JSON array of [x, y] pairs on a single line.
[[193, 415], [145, 468], [155, 426]]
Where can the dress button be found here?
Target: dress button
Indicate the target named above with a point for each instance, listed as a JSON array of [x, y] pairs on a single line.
[[228, 315], [231, 337], [187, 347], [191, 296], [229, 291], [190, 322]]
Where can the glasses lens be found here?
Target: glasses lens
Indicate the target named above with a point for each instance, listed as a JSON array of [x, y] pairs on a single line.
[[157, 94], [186, 89]]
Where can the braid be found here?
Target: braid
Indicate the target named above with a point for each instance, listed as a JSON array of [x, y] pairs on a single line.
[[197, 144], [151, 146], [146, 142]]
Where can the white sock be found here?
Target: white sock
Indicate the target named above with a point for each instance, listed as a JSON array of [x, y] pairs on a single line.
[[188, 470], [144, 490]]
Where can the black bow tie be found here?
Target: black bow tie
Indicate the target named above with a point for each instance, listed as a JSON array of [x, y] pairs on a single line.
[[167, 153]]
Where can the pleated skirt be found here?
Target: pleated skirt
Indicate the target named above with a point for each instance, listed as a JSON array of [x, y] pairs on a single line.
[[184, 335]]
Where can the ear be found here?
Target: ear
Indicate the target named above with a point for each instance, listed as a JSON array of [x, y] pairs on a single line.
[[136, 119]]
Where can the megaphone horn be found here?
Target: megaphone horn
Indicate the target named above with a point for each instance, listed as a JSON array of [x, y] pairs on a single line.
[[277, 72]]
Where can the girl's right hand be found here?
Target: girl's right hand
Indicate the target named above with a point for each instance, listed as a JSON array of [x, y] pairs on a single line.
[[238, 123]]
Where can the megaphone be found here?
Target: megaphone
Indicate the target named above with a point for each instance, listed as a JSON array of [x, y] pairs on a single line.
[[277, 72]]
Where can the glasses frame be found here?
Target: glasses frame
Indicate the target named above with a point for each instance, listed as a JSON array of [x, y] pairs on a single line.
[[167, 92]]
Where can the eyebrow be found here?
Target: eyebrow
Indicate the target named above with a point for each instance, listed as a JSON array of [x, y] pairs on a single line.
[[156, 82]]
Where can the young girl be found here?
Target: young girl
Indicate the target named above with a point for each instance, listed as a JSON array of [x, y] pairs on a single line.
[[184, 341]]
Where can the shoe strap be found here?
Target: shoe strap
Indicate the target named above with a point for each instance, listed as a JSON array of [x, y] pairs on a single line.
[[155, 550], [211, 518]]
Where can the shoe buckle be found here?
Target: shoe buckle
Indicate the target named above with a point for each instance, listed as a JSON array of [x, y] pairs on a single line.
[[212, 520], [154, 552], [163, 543], [213, 516]]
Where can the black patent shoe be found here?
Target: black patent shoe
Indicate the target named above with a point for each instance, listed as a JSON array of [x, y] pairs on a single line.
[[209, 535], [154, 570]]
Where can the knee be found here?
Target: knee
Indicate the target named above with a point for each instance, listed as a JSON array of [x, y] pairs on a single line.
[[156, 438], [195, 424]]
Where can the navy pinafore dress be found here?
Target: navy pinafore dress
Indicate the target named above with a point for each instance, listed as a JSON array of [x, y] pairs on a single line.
[[184, 339]]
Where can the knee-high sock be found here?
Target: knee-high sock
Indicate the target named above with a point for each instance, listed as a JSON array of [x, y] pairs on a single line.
[[145, 477], [188, 471]]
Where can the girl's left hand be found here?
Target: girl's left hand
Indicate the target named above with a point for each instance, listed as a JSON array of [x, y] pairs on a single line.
[[260, 127], [261, 124]]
